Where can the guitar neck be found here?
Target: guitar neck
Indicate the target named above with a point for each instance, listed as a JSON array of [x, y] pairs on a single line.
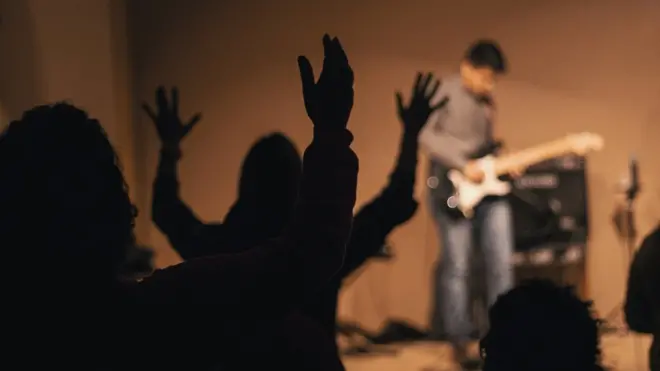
[[525, 158]]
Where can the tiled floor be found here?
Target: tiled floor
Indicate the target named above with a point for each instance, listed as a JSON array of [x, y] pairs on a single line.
[[627, 353]]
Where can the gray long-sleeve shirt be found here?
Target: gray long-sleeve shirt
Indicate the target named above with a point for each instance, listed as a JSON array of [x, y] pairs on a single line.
[[456, 132]]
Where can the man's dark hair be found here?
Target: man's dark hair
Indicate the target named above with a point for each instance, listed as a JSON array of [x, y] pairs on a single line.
[[487, 53], [64, 203], [541, 326]]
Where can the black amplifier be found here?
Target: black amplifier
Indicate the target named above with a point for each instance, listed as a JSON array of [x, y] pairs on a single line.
[[550, 206]]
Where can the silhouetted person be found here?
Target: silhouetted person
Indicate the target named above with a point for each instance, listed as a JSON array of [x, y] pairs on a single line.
[[452, 138], [539, 326], [64, 208], [642, 307], [267, 191]]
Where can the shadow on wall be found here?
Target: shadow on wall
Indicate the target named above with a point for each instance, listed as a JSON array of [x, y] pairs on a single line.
[[19, 73]]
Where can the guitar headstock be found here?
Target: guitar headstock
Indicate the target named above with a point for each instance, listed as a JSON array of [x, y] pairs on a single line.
[[582, 143]]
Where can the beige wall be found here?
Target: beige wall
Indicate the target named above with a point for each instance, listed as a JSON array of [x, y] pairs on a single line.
[[587, 66]]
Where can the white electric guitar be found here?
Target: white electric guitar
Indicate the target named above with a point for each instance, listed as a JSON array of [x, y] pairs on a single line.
[[467, 195]]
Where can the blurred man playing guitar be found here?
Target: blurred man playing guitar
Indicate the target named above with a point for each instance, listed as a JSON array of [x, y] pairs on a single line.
[[466, 192]]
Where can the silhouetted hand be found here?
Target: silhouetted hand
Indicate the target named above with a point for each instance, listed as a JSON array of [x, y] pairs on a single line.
[[417, 112], [330, 100], [171, 130]]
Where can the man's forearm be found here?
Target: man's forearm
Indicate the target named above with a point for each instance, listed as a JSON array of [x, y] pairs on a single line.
[[170, 214], [408, 154], [401, 182], [375, 220], [168, 162], [166, 184]]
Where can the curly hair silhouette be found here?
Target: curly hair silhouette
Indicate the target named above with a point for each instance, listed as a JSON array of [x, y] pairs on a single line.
[[64, 203], [541, 326]]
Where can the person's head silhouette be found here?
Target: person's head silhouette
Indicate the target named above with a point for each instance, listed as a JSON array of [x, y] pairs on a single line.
[[268, 183], [65, 211], [541, 326]]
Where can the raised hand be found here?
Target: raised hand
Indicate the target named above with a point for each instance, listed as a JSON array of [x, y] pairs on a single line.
[[415, 114], [171, 130], [328, 101]]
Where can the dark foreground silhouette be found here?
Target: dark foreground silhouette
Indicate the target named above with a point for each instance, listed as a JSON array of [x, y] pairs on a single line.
[[267, 189], [61, 176], [539, 326], [642, 306], [139, 263]]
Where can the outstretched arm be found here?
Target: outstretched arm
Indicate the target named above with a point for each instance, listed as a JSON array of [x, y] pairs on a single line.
[[171, 215], [395, 204], [189, 236]]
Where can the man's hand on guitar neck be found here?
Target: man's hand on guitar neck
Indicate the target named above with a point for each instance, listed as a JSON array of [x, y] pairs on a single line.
[[517, 172], [473, 172]]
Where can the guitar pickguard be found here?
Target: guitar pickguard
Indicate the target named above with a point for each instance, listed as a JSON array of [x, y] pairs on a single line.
[[468, 195]]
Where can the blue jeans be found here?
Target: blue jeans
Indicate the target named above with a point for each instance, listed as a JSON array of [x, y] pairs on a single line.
[[492, 226]]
